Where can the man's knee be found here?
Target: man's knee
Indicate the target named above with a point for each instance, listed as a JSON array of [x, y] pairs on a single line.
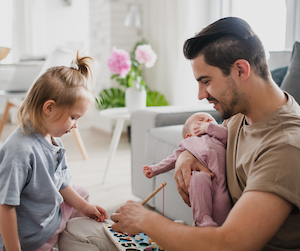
[[85, 234]]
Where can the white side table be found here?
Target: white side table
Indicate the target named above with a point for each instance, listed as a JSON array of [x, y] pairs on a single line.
[[121, 114]]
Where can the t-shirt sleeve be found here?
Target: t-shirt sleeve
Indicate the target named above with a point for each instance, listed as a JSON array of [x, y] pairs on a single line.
[[12, 180], [277, 170]]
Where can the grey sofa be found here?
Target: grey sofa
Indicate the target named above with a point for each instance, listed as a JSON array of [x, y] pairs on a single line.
[[156, 133]]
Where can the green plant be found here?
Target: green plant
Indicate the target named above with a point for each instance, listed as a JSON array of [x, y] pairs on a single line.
[[115, 97], [110, 98]]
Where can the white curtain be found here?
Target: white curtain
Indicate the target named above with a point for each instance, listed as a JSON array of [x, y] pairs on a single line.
[[41, 26], [292, 23], [29, 38], [170, 23]]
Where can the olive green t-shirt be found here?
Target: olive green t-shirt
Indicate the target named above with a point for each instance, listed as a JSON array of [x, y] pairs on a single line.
[[265, 156]]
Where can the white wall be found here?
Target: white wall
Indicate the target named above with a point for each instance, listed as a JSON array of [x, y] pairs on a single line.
[[107, 30]]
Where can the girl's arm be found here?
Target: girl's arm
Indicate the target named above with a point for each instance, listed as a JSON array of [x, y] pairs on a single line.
[[9, 227], [75, 200]]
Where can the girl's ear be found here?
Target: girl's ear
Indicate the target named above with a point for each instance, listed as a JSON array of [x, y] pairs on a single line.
[[48, 107]]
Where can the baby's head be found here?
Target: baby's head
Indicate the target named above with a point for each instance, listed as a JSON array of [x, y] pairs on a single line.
[[65, 86], [189, 124]]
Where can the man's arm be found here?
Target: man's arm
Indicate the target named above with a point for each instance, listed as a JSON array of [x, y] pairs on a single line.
[[249, 226], [9, 227]]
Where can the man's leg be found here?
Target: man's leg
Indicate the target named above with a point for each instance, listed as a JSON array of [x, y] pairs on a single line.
[[83, 234]]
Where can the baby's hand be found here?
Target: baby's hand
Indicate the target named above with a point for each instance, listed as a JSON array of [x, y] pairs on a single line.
[[147, 170], [200, 128]]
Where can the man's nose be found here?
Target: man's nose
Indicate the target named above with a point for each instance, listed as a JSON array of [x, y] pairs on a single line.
[[202, 93]]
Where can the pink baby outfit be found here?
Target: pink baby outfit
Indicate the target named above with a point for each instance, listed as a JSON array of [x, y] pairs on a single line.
[[209, 198]]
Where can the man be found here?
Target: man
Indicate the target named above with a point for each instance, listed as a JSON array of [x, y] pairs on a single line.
[[263, 150]]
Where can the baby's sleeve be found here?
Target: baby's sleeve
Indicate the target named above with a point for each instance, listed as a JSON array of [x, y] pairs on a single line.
[[218, 131]]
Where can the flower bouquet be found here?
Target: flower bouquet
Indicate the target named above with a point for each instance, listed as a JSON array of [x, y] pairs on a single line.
[[127, 70]]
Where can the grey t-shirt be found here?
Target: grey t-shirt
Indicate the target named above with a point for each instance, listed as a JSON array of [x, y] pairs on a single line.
[[32, 171]]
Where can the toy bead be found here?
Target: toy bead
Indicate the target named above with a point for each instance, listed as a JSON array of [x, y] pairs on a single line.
[[154, 245], [137, 238], [150, 240], [148, 248]]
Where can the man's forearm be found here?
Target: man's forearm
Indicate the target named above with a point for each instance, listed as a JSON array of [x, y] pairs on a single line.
[[248, 227], [171, 235]]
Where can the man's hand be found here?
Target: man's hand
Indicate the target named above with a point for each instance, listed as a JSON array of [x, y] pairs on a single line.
[[129, 218], [185, 164]]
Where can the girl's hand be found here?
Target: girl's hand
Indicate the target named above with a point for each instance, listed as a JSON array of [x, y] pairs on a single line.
[[147, 170], [95, 212]]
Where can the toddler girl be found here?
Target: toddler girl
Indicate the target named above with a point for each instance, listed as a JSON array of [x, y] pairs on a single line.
[[36, 198]]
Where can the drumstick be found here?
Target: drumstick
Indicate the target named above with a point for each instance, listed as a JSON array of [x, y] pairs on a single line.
[[153, 193]]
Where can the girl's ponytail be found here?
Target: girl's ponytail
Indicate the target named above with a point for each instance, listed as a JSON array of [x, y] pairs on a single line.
[[86, 66]]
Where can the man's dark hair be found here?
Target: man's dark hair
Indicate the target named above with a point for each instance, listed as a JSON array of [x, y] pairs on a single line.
[[225, 41]]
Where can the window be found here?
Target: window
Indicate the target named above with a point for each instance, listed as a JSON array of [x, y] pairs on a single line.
[[6, 27], [267, 18]]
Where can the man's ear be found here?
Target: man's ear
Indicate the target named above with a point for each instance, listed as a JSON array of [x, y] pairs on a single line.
[[48, 107], [242, 69]]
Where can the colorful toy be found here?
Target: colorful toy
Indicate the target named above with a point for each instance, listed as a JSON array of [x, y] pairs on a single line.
[[125, 242]]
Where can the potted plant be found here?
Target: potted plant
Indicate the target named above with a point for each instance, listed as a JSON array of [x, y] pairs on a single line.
[[128, 70]]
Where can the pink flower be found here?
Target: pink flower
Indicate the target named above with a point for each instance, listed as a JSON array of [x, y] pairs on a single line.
[[145, 54], [119, 62]]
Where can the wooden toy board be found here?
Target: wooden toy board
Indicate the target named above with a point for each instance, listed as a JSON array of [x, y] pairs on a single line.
[[124, 242]]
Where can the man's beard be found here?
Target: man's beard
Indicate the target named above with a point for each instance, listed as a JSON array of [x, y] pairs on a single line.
[[227, 110]]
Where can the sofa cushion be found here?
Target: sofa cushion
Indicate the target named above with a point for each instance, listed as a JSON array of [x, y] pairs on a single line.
[[291, 82], [162, 141], [279, 74]]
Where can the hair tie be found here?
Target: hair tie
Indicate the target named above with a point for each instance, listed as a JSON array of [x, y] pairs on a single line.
[[74, 66]]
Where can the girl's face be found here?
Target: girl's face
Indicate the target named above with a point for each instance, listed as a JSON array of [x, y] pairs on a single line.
[[59, 122]]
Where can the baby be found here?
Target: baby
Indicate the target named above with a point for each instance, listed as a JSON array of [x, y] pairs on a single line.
[[206, 140]]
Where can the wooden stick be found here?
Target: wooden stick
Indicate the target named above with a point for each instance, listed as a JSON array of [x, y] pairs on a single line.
[[153, 193]]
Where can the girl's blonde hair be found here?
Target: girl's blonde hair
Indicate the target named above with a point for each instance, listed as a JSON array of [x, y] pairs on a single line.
[[64, 85]]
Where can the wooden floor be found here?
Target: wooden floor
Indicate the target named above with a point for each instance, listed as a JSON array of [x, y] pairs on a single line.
[[89, 173]]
